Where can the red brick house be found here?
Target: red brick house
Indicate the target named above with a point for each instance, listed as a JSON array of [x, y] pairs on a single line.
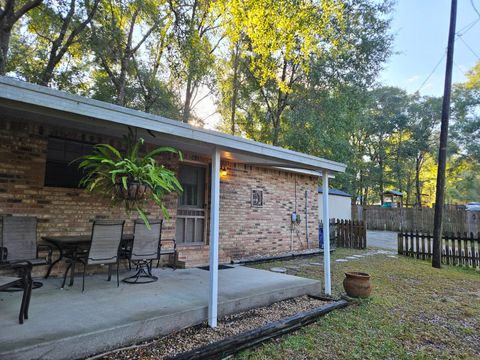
[[255, 188]]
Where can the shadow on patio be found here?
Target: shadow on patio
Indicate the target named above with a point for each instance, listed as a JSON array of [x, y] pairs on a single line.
[[71, 324]]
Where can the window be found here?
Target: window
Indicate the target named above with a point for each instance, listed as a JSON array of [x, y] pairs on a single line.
[[192, 179], [190, 225], [60, 153]]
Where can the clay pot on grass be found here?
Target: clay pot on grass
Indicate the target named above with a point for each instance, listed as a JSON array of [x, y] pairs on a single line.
[[357, 284]]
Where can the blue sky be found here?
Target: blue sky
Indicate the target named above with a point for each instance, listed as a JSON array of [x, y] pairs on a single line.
[[421, 28]]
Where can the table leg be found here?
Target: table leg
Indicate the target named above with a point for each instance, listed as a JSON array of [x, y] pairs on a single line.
[[72, 273], [65, 275], [55, 262]]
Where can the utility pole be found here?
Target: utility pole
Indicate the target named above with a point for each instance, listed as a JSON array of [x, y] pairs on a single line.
[[442, 151]]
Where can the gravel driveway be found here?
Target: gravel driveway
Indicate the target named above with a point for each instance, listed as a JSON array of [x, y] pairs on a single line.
[[382, 239]]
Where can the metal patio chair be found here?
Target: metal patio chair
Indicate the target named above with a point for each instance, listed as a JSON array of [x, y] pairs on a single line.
[[19, 242], [145, 249], [104, 249], [23, 281], [170, 250]]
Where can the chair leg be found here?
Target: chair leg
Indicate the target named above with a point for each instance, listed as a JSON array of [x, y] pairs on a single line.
[[29, 295], [24, 299], [83, 277], [118, 279], [109, 272], [65, 275], [72, 273]]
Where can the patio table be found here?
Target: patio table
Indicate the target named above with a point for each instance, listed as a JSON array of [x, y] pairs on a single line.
[[72, 243]]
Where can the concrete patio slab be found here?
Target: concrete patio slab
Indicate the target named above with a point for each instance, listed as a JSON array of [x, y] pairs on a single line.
[[69, 324]]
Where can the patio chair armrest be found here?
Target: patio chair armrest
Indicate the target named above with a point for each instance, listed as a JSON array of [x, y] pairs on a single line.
[[24, 269], [168, 240], [3, 254], [49, 250]]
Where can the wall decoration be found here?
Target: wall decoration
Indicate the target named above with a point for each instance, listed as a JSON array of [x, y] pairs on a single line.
[[257, 198]]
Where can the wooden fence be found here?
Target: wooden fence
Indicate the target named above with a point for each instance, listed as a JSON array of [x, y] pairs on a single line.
[[348, 233], [457, 248], [404, 219]]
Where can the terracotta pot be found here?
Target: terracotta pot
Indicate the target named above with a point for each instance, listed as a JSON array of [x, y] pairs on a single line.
[[357, 284], [135, 191]]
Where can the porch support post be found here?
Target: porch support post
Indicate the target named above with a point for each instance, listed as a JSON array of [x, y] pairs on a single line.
[[214, 224], [326, 235]]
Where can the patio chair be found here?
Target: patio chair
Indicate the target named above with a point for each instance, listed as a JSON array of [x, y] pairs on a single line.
[[104, 249], [145, 249], [24, 281], [171, 250], [19, 242]]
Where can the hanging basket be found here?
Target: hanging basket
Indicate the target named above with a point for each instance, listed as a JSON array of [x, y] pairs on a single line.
[[134, 191]]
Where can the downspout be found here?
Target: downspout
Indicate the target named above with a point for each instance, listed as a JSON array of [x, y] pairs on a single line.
[[306, 219], [326, 235]]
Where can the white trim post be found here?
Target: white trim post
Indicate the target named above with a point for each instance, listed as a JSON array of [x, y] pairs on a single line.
[[326, 235], [214, 226]]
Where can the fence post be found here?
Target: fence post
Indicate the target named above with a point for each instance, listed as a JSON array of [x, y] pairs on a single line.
[[400, 243]]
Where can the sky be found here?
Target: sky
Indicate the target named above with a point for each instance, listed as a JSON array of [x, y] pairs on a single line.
[[421, 34]]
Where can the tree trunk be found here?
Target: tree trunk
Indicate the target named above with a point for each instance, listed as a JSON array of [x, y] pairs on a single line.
[[418, 189], [188, 100], [234, 88], [381, 184], [5, 33], [8, 19]]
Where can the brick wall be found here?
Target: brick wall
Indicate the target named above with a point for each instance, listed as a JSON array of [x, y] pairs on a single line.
[[244, 230], [247, 230]]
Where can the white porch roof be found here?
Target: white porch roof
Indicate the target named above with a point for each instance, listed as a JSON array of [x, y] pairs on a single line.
[[38, 103]]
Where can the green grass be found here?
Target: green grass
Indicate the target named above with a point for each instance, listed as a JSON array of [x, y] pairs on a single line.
[[415, 312]]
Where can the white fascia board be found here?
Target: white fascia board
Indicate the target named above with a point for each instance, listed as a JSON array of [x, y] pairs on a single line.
[[304, 171], [24, 92]]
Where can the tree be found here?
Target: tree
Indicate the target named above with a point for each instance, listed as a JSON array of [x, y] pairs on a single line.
[[11, 11], [280, 38], [316, 45], [387, 115], [192, 59], [473, 77], [424, 114], [57, 28], [114, 34]]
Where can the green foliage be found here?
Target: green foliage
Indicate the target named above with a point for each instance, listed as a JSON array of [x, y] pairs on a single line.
[[473, 77], [108, 170]]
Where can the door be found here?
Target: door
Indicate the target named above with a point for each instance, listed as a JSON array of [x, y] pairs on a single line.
[[190, 226]]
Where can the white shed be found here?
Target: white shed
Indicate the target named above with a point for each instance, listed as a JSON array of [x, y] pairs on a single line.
[[340, 204]]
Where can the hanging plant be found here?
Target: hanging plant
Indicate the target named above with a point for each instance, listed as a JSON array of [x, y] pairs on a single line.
[[128, 177]]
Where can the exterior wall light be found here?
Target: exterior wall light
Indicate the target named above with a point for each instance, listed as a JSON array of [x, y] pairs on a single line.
[[223, 171]]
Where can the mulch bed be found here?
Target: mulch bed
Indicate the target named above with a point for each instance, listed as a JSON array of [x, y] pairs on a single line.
[[201, 335]]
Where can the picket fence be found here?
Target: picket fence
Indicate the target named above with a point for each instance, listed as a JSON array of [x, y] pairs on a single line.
[[461, 249], [348, 233]]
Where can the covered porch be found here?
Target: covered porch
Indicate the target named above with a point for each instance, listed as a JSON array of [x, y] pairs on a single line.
[[69, 323], [253, 207]]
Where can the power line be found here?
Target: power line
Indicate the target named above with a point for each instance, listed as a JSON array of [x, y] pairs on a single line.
[[468, 27], [459, 35], [469, 47], [459, 68], [433, 71], [474, 8]]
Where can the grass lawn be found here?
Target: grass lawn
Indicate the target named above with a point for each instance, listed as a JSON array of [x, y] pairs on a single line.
[[415, 312]]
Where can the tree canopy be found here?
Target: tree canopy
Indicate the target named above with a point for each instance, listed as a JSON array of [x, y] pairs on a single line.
[[298, 74]]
